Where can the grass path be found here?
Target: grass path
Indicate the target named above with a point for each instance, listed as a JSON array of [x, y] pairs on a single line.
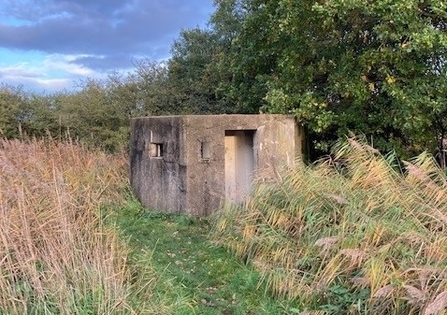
[[195, 277]]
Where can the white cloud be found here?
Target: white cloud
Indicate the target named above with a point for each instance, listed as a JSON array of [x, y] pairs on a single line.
[[40, 48], [52, 72], [67, 64], [21, 70], [55, 84]]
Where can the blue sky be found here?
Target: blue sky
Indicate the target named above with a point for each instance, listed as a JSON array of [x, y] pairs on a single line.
[[49, 45]]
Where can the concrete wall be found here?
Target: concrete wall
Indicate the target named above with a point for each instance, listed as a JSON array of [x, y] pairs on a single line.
[[159, 182], [193, 176]]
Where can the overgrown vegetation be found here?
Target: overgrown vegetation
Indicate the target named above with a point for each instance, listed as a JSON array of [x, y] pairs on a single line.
[[358, 233], [73, 240], [56, 256]]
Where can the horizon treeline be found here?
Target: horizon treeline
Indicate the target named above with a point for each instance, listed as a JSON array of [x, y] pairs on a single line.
[[341, 67]]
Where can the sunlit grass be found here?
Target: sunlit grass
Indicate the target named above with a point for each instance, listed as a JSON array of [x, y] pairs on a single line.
[[359, 233], [56, 255]]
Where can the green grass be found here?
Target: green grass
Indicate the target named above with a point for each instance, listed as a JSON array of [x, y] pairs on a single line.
[[194, 276]]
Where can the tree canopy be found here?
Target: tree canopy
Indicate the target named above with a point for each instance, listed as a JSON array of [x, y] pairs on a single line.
[[371, 67], [376, 68]]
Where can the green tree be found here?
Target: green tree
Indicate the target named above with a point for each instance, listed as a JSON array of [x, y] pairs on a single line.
[[375, 67], [12, 99], [38, 117], [254, 54], [226, 24], [200, 74], [97, 115], [154, 95], [193, 73]]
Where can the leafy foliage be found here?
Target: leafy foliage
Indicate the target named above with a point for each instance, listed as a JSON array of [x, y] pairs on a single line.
[[372, 67], [340, 66]]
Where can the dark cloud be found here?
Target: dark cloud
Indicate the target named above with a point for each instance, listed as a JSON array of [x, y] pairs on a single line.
[[104, 63], [114, 30]]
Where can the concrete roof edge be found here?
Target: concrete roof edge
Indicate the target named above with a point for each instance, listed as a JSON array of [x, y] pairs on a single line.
[[214, 115]]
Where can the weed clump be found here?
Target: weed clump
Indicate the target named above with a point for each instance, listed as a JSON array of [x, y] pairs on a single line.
[[356, 234], [56, 256]]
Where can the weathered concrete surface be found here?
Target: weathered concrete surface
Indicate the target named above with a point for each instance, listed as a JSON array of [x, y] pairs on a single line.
[[190, 176]]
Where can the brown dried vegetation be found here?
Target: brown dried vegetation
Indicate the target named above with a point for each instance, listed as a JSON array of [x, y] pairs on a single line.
[[56, 256], [357, 234]]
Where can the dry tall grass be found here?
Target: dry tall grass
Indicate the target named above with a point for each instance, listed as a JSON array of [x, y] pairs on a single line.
[[56, 257], [351, 235]]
